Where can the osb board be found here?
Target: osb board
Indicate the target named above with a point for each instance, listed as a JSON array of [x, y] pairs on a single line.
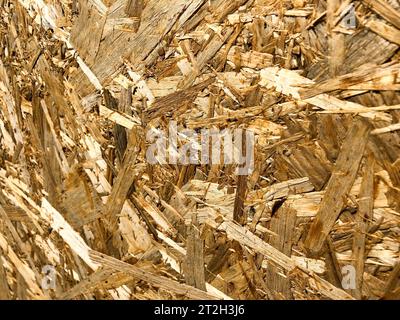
[[81, 82]]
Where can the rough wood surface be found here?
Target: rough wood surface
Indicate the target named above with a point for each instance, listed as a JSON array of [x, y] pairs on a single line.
[[86, 85]]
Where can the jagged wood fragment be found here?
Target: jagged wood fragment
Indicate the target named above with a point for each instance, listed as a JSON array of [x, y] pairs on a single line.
[[4, 288], [194, 262], [26, 273], [289, 82], [245, 237], [363, 219], [126, 176], [392, 285], [384, 9], [283, 224], [385, 31], [102, 278], [155, 280], [340, 183], [155, 25]]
